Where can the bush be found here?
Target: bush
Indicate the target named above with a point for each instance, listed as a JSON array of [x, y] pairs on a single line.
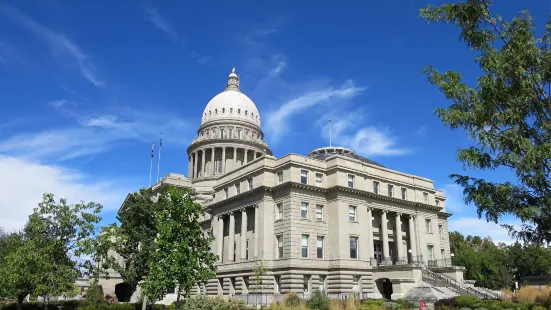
[[292, 300], [318, 301], [212, 303], [55, 305], [404, 304], [449, 303]]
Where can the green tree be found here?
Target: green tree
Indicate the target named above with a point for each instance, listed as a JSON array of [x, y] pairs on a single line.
[[529, 260], [259, 271], [46, 258], [506, 115], [132, 239], [182, 251]]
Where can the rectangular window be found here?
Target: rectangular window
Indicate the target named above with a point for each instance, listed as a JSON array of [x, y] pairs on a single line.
[[429, 226], [322, 283], [306, 284], [250, 182], [238, 133], [319, 246], [304, 176], [279, 246], [237, 189], [352, 213], [443, 253], [426, 198], [351, 181], [225, 193], [304, 246], [279, 210], [319, 178], [217, 166], [355, 283], [279, 178], [404, 193], [319, 212], [354, 247], [375, 187], [390, 190], [304, 210], [430, 252], [441, 231]]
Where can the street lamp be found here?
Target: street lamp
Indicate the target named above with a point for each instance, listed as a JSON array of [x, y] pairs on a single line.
[[452, 255], [410, 256]]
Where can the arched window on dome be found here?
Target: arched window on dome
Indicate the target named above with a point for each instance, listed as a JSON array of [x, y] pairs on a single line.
[[231, 110], [246, 112], [238, 111], [215, 111], [223, 110], [210, 113]]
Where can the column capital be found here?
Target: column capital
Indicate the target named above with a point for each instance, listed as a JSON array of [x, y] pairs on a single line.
[[398, 214], [384, 211], [412, 216]]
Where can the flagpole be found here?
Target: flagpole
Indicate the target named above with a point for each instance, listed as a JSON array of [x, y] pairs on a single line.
[[330, 131], [151, 163], [159, 162]]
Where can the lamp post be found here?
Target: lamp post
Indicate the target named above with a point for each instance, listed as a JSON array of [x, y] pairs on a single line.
[[452, 255], [410, 257]]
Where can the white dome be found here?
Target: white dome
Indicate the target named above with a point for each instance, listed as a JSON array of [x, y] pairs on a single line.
[[231, 104]]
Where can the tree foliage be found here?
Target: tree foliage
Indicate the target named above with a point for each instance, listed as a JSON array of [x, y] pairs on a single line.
[[507, 114], [181, 253], [497, 266], [132, 239], [46, 258]]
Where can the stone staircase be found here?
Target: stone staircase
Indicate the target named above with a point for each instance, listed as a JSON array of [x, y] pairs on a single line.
[[450, 288]]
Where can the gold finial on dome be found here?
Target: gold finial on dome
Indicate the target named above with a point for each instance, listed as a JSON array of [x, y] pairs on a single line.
[[233, 81]]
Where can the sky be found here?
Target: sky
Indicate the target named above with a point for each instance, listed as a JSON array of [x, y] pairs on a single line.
[[86, 87]]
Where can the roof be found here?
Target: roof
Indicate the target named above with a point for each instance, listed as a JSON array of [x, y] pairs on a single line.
[[325, 152]]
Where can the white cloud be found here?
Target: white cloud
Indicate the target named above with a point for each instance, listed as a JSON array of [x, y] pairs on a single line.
[[153, 16], [454, 197], [58, 43], [24, 182], [94, 135], [58, 103], [477, 227], [277, 121], [347, 131]]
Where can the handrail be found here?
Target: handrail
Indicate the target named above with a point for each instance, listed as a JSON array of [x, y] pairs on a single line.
[[430, 275]]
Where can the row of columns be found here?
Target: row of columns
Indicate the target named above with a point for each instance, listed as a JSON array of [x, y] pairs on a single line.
[[231, 236], [397, 234], [196, 171]]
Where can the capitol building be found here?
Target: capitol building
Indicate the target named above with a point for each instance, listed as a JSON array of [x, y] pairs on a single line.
[[330, 220]]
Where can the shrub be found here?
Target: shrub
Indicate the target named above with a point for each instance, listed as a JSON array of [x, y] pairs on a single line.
[[405, 304], [376, 302], [212, 303], [467, 302], [318, 301], [292, 300]]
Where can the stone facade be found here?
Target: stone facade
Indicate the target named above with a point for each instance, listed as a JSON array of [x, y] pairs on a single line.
[[332, 220]]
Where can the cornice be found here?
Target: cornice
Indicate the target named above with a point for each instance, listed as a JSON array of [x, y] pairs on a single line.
[[444, 214], [337, 188]]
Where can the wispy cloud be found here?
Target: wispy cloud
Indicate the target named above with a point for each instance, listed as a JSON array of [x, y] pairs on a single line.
[[58, 103], [9, 54], [59, 43], [26, 181], [277, 121], [348, 131], [152, 15], [96, 134]]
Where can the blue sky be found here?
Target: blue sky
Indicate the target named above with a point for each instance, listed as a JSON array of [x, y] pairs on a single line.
[[87, 86]]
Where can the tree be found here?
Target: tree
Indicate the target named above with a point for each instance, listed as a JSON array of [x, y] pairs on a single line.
[[529, 260], [259, 271], [507, 114], [132, 239], [181, 253], [45, 259]]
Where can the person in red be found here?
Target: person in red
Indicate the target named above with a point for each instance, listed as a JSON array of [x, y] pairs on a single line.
[[422, 305]]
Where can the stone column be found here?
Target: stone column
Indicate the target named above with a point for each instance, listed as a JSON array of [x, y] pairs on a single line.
[[398, 234], [231, 238], [255, 154], [370, 234], [234, 158], [189, 166], [412, 239], [203, 163], [256, 234], [214, 230], [212, 161], [220, 242], [246, 152], [195, 161], [224, 159], [243, 234], [384, 233]]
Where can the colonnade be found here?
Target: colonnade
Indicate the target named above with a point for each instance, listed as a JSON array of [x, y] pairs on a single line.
[[220, 157], [218, 222]]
